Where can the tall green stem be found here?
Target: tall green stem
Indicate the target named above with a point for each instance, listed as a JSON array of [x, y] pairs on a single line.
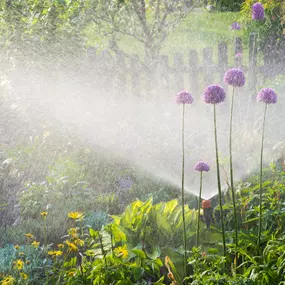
[[199, 208], [182, 194], [260, 181], [45, 232], [219, 182], [232, 175]]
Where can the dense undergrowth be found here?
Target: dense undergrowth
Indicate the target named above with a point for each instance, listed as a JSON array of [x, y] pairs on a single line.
[[143, 245]]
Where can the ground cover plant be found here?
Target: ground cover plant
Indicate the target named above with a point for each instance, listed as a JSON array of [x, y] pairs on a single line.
[[69, 215]]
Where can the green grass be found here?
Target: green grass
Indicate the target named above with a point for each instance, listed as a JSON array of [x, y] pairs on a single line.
[[197, 31]]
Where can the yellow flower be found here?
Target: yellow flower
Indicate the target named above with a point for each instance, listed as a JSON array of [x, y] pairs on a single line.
[[44, 214], [28, 262], [19, 264], [29, 236], [71, 274], [55, 252], [73, 232], [122, 251], [75, 215], [9, 280], [24, 275], [35, 244], [71, 246], [21, 253], [60, 245], [79, 242], [16, 247]]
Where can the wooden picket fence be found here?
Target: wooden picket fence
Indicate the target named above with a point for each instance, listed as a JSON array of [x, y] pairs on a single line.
[[127, 74]]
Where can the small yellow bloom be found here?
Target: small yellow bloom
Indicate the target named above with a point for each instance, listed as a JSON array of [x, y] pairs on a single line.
[[9, 280], [75, 215], [44, 214], [79, 242], [29, 235], [73, 232], [122, 251], [35, 244], [28, 262], [55, 252], [24, 275], [60, 245], [21, 253], [16, 247], [71, 274], [71, 246], [19, 264]]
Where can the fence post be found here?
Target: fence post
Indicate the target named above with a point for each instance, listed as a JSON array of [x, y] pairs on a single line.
[[135, 68], [105, 66], [282, 55], [193, 70], [222, 59], [208, 65], [238, 52], [252, 60], [163, 72], [178, 72], [120, 73]]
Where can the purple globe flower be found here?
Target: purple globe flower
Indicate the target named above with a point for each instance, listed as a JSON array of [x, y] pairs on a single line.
[[238, 55], [234, 77], [257, 12], [125, 183], [267, 96], [214, 94], [235, 26], [184, 97], [202, 166]]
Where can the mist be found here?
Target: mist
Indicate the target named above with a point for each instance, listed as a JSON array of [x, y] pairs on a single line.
[[143, 130]]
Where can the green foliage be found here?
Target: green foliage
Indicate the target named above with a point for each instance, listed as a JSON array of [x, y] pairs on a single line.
[[272, 26], [33, 263], [48, 174], [30, 24]]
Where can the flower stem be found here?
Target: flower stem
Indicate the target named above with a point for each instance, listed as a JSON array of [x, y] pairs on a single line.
[[260, 181], [182, 194], [232, 176], [45, 232], [219, 182], [199, 207]]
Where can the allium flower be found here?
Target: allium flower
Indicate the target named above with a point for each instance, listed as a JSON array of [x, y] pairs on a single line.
[[184, 97], [257, 12], [267, 96], [238, 55], [126, 183], [235, 26], [202, 166], [214, 94], [234, 77]]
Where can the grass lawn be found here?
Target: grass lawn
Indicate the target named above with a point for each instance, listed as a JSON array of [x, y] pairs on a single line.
[[197, 31]]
